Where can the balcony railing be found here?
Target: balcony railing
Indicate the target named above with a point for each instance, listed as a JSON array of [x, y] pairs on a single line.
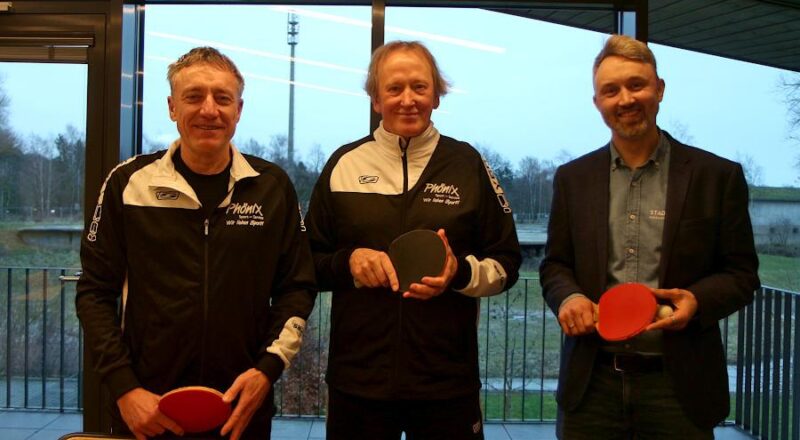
[[520, 342]]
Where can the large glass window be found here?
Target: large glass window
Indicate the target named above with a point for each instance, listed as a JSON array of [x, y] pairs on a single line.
[[42, 148], [42, 156], [738, 110], [521, 94], [331, 54]]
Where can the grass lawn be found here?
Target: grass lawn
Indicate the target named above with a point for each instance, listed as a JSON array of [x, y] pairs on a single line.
[[779, 272], [537, 406]]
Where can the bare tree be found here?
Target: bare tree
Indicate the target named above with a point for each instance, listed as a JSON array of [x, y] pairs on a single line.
[[680, 131], [790, 86], [150, 145], [10, 158], [254, 148], [39, 154], [316, 159], [753, 172]]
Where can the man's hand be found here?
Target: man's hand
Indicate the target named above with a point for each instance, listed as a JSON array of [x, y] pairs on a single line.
[[434, 286], [251, 387], [139, 409], [373, 268], [577, 316], [684, 304]]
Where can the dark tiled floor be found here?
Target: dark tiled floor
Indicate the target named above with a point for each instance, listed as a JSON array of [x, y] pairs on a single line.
[[34, 425]]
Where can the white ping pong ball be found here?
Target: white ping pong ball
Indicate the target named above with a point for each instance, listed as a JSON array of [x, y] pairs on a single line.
[[664, 311]]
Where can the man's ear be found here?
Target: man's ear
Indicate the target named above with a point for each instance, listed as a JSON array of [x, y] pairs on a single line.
[[171, 107], [241, 106], [376, 105], [661, 86], [436, 102]]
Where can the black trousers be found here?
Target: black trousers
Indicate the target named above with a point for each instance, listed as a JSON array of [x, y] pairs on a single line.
[[352, 417]]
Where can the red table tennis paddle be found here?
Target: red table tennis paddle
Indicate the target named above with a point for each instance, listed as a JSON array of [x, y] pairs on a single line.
[[195, 409], [624, 311], [416, 254]]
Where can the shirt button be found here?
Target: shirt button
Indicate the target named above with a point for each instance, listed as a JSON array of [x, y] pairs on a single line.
[[631, 251], [632, 216]]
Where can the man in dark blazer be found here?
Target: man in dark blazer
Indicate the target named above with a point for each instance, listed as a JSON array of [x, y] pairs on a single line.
[[645, 208]]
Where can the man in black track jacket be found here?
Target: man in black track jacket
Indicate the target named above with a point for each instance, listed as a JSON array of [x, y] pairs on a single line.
[[205, 249], [407, 361]]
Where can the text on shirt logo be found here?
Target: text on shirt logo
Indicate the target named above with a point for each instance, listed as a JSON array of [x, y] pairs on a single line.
[[657, 214], [247, 214], [441, 193], [498, 190]]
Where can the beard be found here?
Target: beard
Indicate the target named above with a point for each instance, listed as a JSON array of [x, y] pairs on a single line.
[[629, 129]]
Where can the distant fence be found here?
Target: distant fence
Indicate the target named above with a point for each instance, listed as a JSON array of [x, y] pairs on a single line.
[[520, 342], [30, 213]]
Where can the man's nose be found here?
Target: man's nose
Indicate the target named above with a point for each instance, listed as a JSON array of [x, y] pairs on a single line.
[[626, 97], [209, 106], [407, 97]]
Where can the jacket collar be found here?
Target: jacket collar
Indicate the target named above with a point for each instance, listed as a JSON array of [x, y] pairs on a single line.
[[167, 176], [418, 146]]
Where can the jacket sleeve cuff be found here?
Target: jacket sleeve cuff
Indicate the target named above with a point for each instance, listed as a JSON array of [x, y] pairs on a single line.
[[571, 297], [341, 266], [271, 365], [463, 274], [120, 381]]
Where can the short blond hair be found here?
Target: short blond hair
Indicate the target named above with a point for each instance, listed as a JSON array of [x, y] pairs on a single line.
[[204, 55], [440, 84], [626, 47]]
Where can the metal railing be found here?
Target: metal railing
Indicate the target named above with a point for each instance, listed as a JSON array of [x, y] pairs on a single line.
[[520, 343]]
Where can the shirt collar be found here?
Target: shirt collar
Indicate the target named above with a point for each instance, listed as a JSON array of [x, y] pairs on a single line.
[[656, 157]]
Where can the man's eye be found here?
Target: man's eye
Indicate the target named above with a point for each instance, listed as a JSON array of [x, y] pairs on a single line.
[[610, 91]]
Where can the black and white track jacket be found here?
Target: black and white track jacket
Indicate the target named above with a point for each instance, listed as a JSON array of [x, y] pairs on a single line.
[[204, 299], [383, 346]]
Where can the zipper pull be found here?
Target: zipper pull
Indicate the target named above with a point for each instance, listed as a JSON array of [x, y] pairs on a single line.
[[403, 146], [205, 227]]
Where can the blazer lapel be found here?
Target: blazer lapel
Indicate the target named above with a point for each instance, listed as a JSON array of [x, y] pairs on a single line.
[[597, 196], [680, 174]]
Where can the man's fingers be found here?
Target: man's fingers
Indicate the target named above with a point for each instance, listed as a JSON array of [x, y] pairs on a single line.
[[387, 272], [170, 424]]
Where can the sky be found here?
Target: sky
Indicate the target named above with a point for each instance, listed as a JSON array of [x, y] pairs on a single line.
[[519, 87]]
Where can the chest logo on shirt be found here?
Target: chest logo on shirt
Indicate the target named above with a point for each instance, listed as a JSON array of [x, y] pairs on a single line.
[[244, 214], [657, 214], [441, 193], [167, 195], [367, 179]]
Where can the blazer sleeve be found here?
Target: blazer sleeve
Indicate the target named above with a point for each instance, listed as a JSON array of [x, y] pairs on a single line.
[[557, 269], [732, 284]]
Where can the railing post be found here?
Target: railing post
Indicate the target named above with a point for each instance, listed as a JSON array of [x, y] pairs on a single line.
[[786, 362], [757, 365], [776, 367], [796, 371], [44, 338]]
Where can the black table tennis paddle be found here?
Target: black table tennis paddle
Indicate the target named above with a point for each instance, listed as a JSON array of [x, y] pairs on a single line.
[[416, 254]]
